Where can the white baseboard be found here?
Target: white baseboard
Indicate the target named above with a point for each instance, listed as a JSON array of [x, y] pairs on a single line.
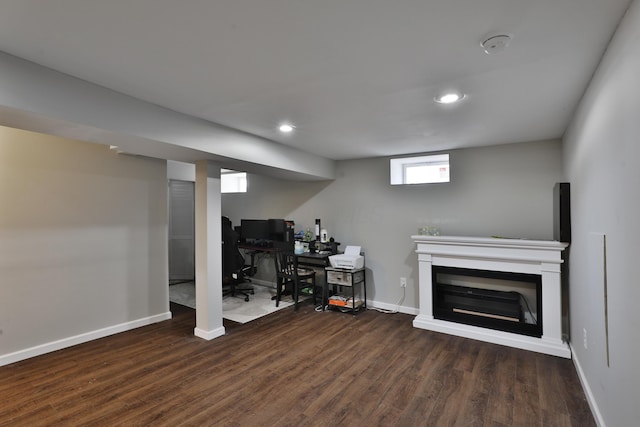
[[41, 349], [370, 303], [392, 307], [587, 389], [209, 335]]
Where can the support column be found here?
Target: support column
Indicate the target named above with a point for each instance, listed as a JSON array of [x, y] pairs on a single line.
[[425, 285], [208, 251], [551, 302]]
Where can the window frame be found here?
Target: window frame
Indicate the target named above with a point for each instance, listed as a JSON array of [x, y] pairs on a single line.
[[239, 179], [399, 167]]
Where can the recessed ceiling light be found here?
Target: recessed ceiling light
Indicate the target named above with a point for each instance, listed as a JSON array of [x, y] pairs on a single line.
[[449, 97], [286, 128]]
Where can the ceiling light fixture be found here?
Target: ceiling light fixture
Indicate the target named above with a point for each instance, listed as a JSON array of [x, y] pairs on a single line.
[[495, 44], [449, 97], [286, 128]]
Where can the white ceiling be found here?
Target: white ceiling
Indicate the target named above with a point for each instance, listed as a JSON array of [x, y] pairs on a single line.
[[356, 77]]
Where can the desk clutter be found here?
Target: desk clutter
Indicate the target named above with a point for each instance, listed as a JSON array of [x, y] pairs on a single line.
[[346, 276], [297, 257], [346, 302], [280, 233], [348, 289], [326, 248], [350, 259]]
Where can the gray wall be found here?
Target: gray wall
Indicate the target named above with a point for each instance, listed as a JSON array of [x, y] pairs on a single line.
[[83, 239], [601, 153], [39, 99], [501, 190]]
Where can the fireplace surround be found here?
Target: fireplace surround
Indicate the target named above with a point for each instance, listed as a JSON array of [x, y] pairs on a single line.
[[457, 272]]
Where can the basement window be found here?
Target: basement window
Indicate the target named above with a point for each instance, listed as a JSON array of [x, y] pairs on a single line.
[[420, 170], [233, 181]]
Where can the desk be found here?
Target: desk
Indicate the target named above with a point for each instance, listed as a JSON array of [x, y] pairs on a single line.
[[253, 250], [308, 259], [305, 259], [313, 259]]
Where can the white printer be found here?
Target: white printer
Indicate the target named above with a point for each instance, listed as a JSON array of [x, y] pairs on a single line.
[[350, 259]]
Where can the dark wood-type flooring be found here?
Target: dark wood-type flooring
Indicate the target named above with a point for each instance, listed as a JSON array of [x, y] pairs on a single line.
[[288, 369]]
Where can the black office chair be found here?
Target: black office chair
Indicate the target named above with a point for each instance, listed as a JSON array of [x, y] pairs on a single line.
[[234, 270], [289, 274]]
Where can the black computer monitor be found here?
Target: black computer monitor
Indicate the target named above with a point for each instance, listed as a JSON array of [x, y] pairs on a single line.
[[281, 230], [277, 229], [254, 229]]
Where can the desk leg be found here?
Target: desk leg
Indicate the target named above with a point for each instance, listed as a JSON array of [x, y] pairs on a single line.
[[364, 285], [278, 284], [325, 285], [252, 254], [278, 292]]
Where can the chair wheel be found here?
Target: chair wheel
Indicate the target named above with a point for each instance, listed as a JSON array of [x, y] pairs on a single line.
[[246, 299]]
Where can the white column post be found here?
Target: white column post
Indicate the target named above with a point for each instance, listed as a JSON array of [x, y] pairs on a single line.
[[208, 251], [425, 281], [551, 302]]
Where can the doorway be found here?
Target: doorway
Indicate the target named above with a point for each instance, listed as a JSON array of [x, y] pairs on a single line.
[[181, 231]]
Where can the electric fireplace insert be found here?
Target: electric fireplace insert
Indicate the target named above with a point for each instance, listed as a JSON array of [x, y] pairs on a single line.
[[505, 301]]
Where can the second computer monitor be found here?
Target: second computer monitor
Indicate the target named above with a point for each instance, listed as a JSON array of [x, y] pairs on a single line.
[[254, 229], [265, 229]]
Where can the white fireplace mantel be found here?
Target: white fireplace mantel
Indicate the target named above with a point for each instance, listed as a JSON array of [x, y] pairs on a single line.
[[539, 257]]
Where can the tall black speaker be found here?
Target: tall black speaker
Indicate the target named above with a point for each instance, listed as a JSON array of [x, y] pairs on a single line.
[[562, 212]]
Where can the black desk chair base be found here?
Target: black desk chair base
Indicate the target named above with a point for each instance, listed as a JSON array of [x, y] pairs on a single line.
[[231, 287]]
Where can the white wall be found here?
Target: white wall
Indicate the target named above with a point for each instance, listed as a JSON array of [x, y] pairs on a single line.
[[502, 190], [601, 154], [83, 242]]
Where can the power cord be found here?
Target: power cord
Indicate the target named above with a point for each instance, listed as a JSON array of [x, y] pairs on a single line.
[[395, 310]]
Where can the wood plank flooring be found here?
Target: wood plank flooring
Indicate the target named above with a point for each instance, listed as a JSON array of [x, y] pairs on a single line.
[[292, 368]]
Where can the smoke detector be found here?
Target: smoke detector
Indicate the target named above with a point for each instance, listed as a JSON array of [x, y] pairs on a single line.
[[495, 44]]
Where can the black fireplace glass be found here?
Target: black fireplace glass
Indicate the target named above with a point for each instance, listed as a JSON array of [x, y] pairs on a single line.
[[505, 301]]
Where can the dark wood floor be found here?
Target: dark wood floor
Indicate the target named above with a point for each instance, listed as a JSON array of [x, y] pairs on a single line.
[[292, 368]]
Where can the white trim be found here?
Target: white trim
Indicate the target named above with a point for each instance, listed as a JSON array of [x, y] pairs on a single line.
[[392, 307], [232, 182], [397, 168], [41, 349], [371, 304], [587, 390], [209, 335], [551, 346]]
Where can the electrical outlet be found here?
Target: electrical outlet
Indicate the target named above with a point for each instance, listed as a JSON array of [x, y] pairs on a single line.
[[403, 282], [1, 331], [584, 337]]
